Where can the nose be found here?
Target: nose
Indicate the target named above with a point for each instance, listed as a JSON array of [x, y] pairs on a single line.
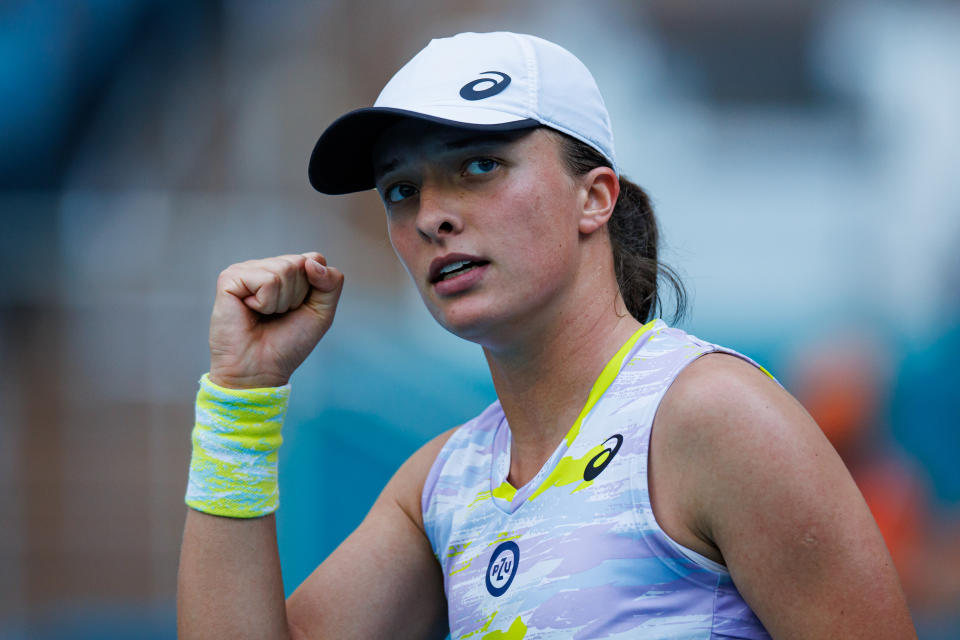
[[438, 217]]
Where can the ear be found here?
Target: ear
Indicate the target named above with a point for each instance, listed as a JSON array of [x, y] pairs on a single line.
[[600, 190]]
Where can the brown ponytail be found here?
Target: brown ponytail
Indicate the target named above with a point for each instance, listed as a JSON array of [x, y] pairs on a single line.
[[635, 236]]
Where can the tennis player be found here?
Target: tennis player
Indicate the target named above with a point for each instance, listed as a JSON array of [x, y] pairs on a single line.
[[631, 480]]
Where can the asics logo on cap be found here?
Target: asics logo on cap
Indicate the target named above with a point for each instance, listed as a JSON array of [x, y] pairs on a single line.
[[469, 91]]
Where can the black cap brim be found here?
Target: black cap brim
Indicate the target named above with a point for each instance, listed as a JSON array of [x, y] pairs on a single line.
[[342, 159]]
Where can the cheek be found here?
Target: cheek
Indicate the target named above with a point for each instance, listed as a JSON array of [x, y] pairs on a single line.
[[401, 242], [545, 221]]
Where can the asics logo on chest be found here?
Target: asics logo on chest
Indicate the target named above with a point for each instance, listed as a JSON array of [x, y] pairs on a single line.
[[600, 461]]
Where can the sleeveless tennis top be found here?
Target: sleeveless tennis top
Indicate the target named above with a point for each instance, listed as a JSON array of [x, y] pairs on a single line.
[[577, 552]]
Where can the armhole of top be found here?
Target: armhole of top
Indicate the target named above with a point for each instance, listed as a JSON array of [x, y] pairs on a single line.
[[433, 476], [691, 555], [695, 557]]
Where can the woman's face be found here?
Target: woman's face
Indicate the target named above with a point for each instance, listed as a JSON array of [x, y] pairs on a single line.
[[485, 223]]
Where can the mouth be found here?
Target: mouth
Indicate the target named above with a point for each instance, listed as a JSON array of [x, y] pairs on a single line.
[[452, 266]]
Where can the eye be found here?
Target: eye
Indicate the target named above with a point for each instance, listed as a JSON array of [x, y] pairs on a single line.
[[399, 192], [480, 166]]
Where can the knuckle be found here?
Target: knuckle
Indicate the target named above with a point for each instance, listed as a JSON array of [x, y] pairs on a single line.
[[225, 276], [292, 269], [233, 267]]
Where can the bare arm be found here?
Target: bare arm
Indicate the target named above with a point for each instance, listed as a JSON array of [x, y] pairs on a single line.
[[742, 474], [229, 583], [383, 581]]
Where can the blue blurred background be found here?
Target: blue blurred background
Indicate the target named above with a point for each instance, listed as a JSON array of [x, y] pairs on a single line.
[[804, 158]]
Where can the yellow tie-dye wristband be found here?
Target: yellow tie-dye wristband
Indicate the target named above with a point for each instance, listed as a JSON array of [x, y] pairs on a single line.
[[233, 471]]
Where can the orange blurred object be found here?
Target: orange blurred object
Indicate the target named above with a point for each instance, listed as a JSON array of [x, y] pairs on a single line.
[[840, 385], [843, 383]]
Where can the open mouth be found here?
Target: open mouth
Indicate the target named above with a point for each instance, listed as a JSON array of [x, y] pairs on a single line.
[[457, 268]]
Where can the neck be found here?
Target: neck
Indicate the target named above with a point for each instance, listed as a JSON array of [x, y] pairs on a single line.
[[543, 380]]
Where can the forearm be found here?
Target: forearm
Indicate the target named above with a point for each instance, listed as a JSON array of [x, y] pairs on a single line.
[[229, 583]]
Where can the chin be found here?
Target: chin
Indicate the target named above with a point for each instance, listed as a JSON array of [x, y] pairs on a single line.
[[470, 327], [470, 319], [479, 321]]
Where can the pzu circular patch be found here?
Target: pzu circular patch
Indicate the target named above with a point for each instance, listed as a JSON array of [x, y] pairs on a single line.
[[502, 568]]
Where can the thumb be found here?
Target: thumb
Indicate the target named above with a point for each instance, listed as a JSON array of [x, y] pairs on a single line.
[[326, 283]]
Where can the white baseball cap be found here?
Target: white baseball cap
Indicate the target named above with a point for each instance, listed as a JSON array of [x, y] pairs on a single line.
[[480, 81]]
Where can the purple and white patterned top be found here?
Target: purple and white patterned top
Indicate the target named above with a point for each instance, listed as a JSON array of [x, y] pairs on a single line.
[[577, 552]]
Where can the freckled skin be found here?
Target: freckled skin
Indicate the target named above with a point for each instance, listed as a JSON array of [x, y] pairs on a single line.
[[522, 216]]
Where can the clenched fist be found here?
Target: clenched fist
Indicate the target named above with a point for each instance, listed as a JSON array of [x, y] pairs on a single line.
[[268, 316]]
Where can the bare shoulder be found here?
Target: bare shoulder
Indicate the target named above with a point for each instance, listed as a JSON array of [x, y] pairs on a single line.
[[406, 486], [744, 469], [722, 408], [716, 416], [720, 381], [735, 432]]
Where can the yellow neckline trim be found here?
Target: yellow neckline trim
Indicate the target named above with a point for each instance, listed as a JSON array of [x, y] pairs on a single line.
[[607, 376], [507, 491]]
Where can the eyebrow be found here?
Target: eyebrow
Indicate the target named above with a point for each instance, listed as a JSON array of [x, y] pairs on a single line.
[[492, 138]]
